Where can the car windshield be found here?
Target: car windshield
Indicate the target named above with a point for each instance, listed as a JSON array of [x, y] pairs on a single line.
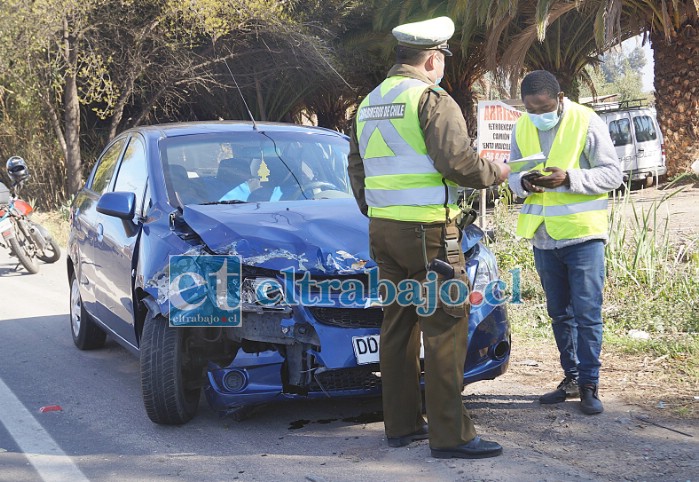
[[254, 166]]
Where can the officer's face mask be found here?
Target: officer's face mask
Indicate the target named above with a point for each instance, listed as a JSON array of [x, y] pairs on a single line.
[[439, 79], [547, 120]]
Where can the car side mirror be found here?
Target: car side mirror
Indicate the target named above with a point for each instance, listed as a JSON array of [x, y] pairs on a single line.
[[118, 204]]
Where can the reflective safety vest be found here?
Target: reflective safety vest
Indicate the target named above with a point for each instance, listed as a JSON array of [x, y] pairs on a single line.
[[401, 181], [566, 215]]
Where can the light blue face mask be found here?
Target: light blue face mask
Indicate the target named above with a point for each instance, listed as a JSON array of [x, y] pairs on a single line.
[[436, 82], [546, 121]]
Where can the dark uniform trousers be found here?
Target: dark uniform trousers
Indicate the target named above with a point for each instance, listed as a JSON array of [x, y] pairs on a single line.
[[397, 249]]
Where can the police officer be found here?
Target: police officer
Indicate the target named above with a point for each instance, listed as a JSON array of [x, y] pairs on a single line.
[[410, 150]]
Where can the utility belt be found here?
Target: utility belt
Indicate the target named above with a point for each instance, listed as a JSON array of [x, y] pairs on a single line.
[[451, 240]]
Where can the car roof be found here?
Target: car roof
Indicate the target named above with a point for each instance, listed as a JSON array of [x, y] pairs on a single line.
[[216, 127]]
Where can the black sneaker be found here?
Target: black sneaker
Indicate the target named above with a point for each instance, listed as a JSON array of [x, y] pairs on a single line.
[[566, 389], [590, 403]]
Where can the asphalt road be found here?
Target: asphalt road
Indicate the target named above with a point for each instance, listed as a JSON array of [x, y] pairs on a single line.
[[103, 433]]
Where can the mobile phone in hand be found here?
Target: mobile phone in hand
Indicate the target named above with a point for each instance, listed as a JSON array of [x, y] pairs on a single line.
[[532, 175]]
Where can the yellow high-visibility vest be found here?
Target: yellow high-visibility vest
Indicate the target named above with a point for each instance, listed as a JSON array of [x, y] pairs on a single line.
[[401, 181], [566, 215]]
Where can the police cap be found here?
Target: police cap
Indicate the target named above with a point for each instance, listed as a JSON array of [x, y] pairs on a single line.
[[426, 35]]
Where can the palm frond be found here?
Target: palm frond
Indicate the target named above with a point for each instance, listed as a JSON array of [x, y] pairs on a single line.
[[542, 17], [521, 43]]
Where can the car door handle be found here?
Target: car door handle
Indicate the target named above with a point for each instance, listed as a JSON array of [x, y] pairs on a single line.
[[100, 232]]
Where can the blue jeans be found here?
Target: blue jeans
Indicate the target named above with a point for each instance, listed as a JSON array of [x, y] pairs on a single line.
[[573, 279]]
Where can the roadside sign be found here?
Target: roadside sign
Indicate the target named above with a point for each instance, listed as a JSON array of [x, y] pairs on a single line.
[[495, 122]]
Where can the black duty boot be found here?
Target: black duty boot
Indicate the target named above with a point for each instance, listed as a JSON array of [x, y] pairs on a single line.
[[589, 401], [566, 389], [475, 449]]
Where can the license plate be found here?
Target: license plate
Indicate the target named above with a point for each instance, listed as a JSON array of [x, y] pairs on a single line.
[[366, 349], [5, 225]]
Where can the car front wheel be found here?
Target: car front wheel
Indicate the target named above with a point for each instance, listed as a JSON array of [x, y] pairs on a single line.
[[170, 384]]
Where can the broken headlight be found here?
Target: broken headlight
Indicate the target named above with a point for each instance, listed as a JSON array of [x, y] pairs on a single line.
[[265, 292]]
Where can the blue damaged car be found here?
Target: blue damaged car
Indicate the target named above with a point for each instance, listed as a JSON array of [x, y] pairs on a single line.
[[277, 198]]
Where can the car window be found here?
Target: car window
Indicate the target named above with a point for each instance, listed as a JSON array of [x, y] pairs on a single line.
[[255, 166], [645, 128], [620, 132], [133, 173], [105, 167]]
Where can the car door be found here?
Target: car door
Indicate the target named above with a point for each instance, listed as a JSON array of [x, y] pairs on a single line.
[[619, 124], [116, 245], [648, 145], [85, 222]]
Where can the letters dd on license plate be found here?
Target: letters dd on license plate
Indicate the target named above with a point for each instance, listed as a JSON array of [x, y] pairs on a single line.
[[366, 348]]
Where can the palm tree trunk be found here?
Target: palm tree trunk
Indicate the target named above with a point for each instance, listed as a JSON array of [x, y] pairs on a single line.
[[570, 85], [71, 113], [677, 94], [464, 97]]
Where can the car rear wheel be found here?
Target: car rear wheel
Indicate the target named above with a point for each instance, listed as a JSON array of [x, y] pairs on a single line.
[[170, 384], [86, 334]]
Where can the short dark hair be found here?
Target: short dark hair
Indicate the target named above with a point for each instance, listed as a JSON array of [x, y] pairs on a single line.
[[540, 82], [411, 56]]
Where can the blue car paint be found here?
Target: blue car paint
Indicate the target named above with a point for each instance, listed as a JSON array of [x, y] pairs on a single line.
[[324, 237], [327, 238]]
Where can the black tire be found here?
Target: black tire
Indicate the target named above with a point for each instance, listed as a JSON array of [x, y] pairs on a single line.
[[623, 188], [87, 335], [51, 253], [23, 247], [170, 386]]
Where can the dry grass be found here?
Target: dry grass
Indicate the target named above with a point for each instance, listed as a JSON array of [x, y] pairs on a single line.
[[55, 223]]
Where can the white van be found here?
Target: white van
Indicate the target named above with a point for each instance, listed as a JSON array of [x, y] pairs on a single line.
[[637, 138]]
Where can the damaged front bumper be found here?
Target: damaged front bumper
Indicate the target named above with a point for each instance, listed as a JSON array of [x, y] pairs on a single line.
[[318, 360]]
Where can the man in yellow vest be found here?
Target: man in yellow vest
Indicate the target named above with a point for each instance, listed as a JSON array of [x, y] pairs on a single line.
[[409, 152], [565, 218]]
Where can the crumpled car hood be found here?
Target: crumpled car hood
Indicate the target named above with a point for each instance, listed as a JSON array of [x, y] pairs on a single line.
[[324, 237]]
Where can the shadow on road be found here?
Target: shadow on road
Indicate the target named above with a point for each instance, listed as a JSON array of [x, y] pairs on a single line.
[[9, 269]]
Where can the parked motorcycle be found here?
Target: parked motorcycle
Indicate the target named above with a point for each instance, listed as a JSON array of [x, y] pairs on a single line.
[[26, 240]]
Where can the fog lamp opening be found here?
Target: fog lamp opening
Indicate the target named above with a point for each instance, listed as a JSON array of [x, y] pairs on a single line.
[[501, 350], [234, 380]]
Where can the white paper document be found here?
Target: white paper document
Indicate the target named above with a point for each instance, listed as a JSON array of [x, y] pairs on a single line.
[[539, 156], [527, 163]]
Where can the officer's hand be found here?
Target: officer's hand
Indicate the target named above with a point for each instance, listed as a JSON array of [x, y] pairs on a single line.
[[504, 170], [558, 177]]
